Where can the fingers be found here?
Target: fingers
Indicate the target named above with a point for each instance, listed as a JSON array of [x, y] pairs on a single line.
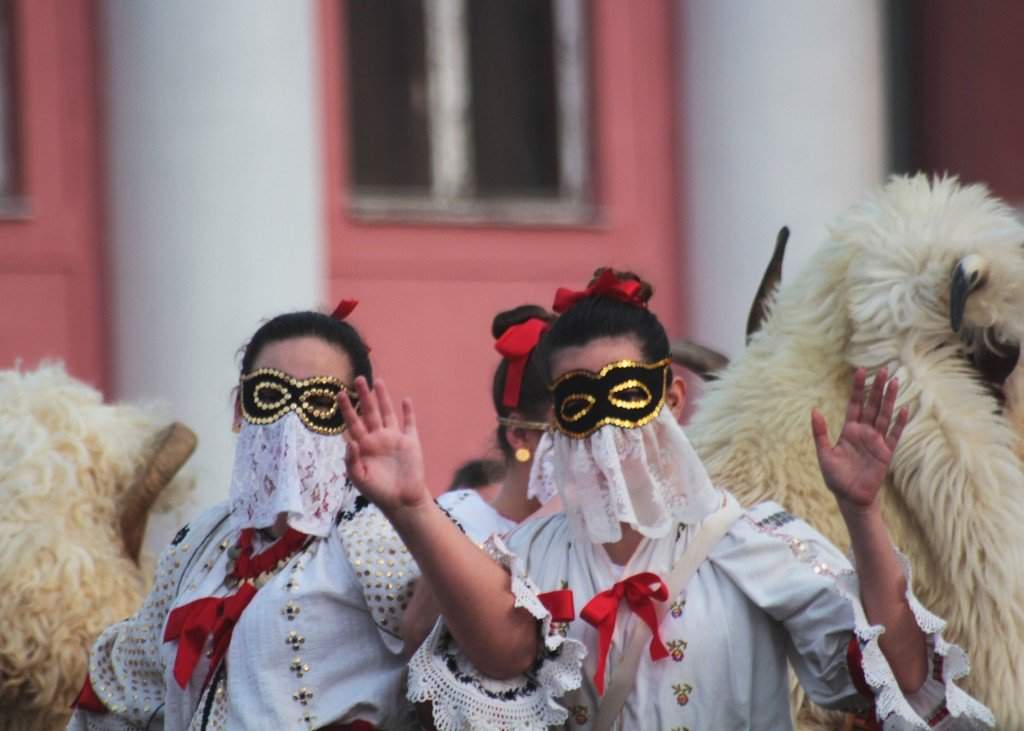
[[820, 431], [897, 430], [853, 408], [368, 405], [355, 430], [892, 390], [408, 417], [387, 411], [870, 413], [354, 462]]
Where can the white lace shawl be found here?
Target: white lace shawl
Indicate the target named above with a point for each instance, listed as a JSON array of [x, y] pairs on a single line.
[[649, 477], [284, 467]]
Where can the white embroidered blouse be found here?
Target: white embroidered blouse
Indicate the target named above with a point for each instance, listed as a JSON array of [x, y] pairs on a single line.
[[318, 644], [476, 516], [773, 590]]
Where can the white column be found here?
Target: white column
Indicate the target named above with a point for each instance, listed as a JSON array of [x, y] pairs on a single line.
[[782, 115], [214, 196]]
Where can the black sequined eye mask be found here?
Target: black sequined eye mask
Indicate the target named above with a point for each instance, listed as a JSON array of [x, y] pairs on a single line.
[[269, 394], [626, 394]]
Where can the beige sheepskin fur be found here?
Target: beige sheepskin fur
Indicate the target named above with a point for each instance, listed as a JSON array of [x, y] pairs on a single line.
[[65, 460], [878, 294]]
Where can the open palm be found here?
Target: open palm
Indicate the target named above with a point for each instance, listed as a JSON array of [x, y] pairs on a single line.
[[855, 466], [385, 461]]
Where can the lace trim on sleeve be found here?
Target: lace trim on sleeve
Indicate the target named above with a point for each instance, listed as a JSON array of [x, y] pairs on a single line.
[[940, 697], [465, 698]]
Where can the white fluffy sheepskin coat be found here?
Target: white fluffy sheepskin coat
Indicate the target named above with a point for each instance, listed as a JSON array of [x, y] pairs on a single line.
[[65, 460], [878, 294]]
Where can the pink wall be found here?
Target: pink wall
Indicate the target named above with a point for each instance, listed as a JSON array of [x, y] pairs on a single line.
[[968, 110], [50, 258], [429, 292]]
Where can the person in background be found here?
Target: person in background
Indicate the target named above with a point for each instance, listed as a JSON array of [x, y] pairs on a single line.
[[522, 405], [482, 475]]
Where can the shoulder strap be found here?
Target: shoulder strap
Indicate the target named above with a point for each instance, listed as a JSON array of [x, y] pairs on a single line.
[[711, 531]]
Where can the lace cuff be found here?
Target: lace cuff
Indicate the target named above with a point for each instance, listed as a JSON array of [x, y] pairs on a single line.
[[465, 698], [940, 702]]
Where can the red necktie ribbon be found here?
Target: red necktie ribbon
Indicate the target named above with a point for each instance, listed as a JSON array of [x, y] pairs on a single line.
[[628, 291], [192, 623], [515, 345], [603, 608]]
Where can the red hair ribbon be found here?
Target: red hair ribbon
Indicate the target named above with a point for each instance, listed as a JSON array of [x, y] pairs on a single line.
[[608, 285], [602, 609], [515, 345], [344, 309]]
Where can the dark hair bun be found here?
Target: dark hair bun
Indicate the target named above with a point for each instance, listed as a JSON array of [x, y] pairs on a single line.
[[516, 316], [646, 288]]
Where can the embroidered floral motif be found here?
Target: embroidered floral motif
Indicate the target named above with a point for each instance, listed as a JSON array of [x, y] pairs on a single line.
[[359, 504], [682, 691], [676, 608], [295, 640], [677, 649], [580, 715]]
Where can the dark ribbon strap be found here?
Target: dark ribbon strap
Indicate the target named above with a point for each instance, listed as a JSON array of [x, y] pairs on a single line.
[[640, 596], [628, 291]]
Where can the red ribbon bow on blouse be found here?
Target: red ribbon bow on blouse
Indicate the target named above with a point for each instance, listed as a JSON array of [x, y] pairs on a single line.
[[515, 345], [608, 285], [193, 623], [603, 608]]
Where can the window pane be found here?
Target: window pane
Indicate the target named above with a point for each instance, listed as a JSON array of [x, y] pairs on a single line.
[[388, 94], [514, 109], [9, 174]]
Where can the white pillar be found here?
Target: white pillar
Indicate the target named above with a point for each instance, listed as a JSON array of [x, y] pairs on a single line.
[[214, 196], [782, 110]]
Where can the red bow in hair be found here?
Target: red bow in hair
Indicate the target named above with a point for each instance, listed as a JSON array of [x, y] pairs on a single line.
[[515, 345], [344, 309], [607, 284], [603, 608]]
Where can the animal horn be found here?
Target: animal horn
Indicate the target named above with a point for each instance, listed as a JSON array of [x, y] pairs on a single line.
[[171, 448], [769, 283], [970, 274], [702, 360]]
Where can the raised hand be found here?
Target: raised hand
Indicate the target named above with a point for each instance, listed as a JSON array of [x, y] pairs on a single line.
[[855, 467], [384, 457]]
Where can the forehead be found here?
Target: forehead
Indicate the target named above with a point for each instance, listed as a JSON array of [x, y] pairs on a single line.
[[305, 357], [595, 355]]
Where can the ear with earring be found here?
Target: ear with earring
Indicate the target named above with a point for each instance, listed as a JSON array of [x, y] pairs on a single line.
[[523, 455]]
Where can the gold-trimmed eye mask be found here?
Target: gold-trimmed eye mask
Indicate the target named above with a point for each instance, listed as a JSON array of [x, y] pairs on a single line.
[[269, 394], [626, 394]]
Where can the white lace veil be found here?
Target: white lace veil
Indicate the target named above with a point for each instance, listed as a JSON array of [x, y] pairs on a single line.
[[649, 477], [284, 467]]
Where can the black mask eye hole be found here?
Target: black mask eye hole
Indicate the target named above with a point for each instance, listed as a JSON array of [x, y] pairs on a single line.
[[631, 394], [320, 402], [576, 406], [271, 396]]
